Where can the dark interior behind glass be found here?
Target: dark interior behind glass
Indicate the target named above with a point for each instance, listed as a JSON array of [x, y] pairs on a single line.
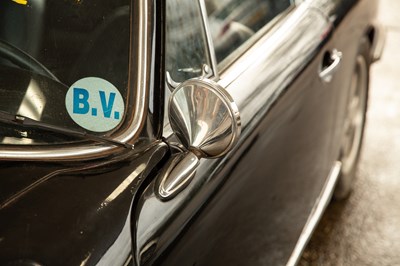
[[72, 39], [233, 22]]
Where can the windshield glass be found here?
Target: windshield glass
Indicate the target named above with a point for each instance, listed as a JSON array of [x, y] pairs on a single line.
[[63, 63]]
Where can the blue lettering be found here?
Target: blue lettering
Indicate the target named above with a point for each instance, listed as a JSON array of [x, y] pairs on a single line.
[[80, 101], [107, 106]]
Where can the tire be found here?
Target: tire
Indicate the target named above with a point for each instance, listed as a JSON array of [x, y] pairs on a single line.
[[354, 122]]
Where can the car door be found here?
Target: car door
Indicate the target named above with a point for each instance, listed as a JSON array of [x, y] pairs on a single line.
[[352, 22], [252, 206]]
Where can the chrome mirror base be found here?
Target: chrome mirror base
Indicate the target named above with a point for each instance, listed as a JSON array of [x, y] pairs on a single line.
[[177, 174]]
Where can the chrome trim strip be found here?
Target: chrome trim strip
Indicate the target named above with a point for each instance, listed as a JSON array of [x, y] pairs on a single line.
[[267, 43], [316, 214], [167, 130], [210, 44], [139, 80]]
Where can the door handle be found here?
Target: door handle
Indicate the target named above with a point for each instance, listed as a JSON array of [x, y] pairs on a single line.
[[330, 65]]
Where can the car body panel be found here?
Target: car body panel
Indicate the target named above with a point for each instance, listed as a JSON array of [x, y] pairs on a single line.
[[249, 207], [70, 204], [72, 214]]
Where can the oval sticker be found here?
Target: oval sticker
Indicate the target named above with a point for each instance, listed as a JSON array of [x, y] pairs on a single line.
[[95, 104]]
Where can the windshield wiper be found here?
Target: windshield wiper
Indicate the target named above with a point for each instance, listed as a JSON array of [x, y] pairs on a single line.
[[26, 122]]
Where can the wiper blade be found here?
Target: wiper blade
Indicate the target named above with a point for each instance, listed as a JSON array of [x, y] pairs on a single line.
[[27, 122]]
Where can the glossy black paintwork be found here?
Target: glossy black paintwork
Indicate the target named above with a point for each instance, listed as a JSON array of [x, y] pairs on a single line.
[[247, 208], [250, 207], [358, 22], [293, 127], [77, 214]]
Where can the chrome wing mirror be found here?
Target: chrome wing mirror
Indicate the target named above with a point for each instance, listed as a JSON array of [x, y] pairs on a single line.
[[206, 121]]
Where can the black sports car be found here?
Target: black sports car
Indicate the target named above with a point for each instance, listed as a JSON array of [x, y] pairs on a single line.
[[177, 132]]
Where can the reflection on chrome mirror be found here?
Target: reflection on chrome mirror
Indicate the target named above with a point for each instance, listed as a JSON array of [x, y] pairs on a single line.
[[204, 117], [206, 120]]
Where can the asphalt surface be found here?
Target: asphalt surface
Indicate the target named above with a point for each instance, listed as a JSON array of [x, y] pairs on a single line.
[[365, 229]]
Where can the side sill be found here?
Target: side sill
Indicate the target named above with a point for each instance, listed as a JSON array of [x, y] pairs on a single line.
[[316, 214]]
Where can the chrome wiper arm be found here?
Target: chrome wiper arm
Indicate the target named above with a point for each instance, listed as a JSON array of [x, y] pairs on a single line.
[[27, 122]]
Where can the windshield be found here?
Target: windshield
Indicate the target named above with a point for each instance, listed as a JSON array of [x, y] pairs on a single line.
[[63, 63]]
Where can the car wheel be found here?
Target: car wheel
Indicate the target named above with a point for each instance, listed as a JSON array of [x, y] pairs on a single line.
[[354, 122]]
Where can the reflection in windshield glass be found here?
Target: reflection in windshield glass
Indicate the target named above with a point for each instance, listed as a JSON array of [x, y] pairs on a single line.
[[32, 105], [46, 46]]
